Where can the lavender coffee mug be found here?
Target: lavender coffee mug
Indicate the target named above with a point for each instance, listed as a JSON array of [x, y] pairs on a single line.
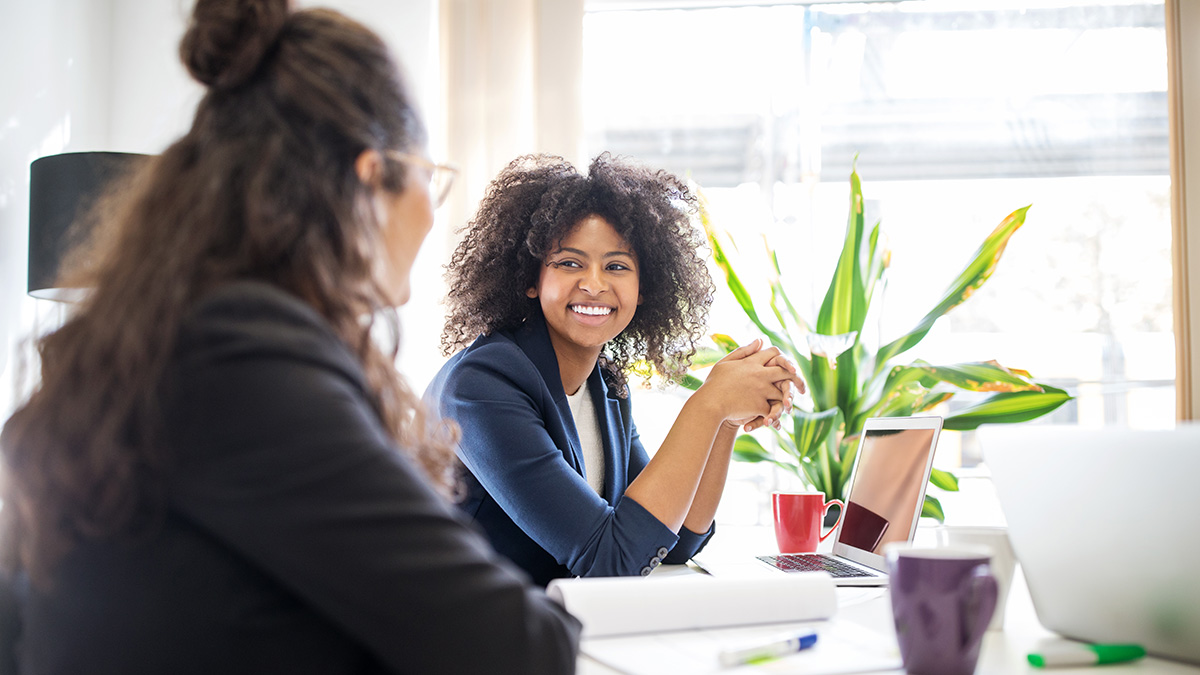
[[942, 601]]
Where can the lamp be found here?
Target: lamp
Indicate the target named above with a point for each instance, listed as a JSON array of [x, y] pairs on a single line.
[[62, 189]]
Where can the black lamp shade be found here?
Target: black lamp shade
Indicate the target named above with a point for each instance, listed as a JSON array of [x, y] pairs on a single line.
[[62, 189]]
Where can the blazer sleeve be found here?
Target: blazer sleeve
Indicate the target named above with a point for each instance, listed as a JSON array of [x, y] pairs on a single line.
[[281, 457], [496, 396], [690, 543]]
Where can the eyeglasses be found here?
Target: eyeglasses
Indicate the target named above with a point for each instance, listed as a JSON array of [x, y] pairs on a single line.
[[441, 176]]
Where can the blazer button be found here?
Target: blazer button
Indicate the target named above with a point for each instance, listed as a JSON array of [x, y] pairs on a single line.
[[662, 551], [655, 562], [646, 571]]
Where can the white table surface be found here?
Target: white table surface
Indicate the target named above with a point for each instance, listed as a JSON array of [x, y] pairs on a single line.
[[1003, 653]]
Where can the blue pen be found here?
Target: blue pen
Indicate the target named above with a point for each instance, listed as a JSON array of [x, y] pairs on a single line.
[[771, 650]]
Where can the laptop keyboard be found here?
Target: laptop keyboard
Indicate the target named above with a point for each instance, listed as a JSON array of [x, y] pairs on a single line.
[[807, 562]]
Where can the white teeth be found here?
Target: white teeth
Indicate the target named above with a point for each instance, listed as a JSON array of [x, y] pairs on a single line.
[[591, 311]]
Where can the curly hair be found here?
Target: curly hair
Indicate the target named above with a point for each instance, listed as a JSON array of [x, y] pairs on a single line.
[[534, 203]]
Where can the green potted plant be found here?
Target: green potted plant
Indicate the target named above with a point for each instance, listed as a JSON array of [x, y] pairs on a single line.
[[849, 380]]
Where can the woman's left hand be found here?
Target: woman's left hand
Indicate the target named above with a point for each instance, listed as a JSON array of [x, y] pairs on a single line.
[[787, 389]]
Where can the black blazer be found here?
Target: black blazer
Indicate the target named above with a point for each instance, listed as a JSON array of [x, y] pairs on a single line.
[[297, 538]]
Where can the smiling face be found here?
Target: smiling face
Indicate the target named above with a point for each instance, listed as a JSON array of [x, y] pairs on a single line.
[[588, 289]]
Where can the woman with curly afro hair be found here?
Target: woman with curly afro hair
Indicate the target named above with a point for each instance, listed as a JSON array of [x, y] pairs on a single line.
[[561, 284]]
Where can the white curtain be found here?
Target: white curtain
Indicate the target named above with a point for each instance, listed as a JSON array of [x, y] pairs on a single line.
[[512, 73]]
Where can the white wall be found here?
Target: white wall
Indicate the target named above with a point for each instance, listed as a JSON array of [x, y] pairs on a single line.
[[83, 75], [151, 97], [55, 99]]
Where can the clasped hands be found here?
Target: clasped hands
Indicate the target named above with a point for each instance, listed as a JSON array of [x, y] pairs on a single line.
[[753, 386]]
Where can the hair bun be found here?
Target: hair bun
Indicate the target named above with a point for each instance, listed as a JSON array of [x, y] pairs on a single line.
[[226, 40]]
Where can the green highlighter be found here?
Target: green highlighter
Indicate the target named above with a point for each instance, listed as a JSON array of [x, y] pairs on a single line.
[[1067, 654]]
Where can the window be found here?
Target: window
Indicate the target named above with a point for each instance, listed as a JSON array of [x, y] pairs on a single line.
[[958, 113]]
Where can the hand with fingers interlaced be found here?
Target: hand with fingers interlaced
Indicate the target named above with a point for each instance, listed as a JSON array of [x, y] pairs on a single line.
[[761, 383]]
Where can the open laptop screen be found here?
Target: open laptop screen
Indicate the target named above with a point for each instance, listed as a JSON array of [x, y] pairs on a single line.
[[889, 480]]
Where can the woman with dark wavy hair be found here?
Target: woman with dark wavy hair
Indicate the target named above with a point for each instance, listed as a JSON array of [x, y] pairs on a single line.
[[221, 471], [560, 286]]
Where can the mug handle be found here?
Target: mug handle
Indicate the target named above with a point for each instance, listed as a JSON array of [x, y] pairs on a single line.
[[841, 512], [981, 591]]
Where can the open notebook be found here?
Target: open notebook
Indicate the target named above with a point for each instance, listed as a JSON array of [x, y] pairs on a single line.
[[682, 624], [885, 497]]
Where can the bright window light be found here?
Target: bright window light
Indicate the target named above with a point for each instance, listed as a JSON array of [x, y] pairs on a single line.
[[958, 113]]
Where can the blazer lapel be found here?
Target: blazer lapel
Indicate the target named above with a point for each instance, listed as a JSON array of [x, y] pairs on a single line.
[[534, 339], [616, 450]]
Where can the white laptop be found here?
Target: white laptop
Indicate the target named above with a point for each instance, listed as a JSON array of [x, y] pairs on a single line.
[[886, 493], [1106, 525]]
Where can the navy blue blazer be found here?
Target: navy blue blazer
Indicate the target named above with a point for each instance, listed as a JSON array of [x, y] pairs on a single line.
[[525, 479]]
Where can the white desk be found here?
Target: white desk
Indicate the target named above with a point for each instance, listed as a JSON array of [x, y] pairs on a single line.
[[1003, 652]]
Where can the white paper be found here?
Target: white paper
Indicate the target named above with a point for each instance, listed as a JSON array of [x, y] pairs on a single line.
[[636, 606], [842, 647]]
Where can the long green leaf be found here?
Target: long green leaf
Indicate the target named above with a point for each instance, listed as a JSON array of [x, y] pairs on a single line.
[[908, 400], [847, 377], [844, 307], [846, 462], [707, 356], [779, 294], [944, 479], [901, 401], [726, 343], [734, 282], [932, 508], [988, 376], [966, 283], [786, 442], [811, 429], [784, 340], [879, 258], [746, 448], [1007, 408], [829, 460], [721, 258], [777, 289], [904, 387], [812, 474]]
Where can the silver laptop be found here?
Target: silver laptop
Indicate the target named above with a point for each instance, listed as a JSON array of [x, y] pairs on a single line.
[[887, 490], [1106, 525]]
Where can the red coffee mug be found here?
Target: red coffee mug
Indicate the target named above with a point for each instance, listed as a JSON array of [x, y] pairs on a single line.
[[798, 519]]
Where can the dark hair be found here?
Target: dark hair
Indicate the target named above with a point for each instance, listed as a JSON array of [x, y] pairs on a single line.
[[534, 203], [263, 186]]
